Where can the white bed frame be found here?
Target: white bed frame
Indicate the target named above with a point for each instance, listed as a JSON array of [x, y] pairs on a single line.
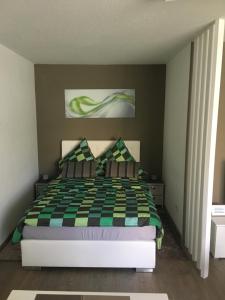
[[140, 255]]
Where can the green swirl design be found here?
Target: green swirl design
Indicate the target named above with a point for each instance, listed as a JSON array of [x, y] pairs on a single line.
[[84, 106]]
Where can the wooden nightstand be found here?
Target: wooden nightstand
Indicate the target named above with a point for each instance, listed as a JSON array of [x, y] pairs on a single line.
[[40, 188], [157, 190]]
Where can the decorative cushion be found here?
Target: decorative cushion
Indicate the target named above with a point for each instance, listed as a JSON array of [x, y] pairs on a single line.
[[122, 169], [79, 153], [79, 169], [117, 152]]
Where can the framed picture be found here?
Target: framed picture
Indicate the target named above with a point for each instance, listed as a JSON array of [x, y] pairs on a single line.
[[100, 103]]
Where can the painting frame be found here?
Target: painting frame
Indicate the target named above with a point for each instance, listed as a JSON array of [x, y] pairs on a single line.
[[99, 103]]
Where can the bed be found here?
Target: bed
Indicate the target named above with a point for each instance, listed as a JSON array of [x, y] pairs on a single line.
[[97, 247]]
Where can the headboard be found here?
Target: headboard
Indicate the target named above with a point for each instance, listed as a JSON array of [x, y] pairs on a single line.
[[98, 147]]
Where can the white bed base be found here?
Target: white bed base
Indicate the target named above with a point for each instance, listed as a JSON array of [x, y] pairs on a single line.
[[140, 255], [90, 254]]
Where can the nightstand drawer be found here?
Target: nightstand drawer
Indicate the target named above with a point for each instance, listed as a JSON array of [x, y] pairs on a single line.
[[156, 189], [158, 200]]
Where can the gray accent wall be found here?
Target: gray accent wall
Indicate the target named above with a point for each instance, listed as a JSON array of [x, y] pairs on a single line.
[[147, 126]]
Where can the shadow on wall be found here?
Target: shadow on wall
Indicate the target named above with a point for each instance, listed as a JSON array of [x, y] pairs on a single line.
[[14, 211]]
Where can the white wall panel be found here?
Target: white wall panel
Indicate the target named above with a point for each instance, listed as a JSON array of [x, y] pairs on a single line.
[[18, 132], [175, 127]]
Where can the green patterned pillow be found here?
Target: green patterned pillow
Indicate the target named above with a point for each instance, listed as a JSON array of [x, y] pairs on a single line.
[[79, 153], [117, 152]]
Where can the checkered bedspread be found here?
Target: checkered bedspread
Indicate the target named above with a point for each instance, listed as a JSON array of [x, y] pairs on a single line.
[[92, 202]]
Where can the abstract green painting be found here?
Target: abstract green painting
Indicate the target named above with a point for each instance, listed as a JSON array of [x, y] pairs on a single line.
[[100, 103]]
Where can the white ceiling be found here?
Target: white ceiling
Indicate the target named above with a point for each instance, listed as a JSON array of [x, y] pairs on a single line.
[[103, 31]]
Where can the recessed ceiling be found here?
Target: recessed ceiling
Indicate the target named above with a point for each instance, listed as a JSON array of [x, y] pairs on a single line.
[[103, 31]]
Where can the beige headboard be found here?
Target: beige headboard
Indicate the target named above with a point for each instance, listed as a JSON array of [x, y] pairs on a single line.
[[98, 147]]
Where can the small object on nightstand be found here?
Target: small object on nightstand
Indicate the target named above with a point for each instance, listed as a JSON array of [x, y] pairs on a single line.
[[157, 190], [45, 177]]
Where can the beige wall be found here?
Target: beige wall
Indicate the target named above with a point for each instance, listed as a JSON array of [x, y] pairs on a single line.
[[149, 83], [219, 173], [175, 128], [18, 132]]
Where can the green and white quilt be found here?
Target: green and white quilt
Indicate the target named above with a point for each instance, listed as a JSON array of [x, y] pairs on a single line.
[[99, 201]]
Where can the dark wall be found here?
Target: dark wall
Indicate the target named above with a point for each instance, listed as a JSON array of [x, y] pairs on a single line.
[[147, 126]]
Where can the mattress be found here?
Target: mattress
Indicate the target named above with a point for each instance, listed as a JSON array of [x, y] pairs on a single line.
[[101, 208], [144, 233]]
